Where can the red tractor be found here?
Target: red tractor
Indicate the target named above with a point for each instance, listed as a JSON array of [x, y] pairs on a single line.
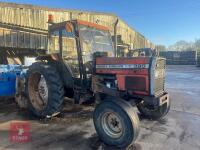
[[83, 66]]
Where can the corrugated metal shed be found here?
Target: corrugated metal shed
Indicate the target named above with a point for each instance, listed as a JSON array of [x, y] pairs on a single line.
[[35, 18]]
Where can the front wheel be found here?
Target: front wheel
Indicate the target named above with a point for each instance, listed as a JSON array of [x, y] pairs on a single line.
[[154, 113], [116, 123]]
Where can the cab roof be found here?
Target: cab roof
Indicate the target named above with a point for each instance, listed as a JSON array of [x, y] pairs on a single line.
[[55, 26]]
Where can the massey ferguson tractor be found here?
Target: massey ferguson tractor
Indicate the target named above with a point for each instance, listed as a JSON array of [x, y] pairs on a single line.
[[81, 64]]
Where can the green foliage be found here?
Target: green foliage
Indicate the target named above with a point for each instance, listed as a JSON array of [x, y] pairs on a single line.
[[161, 48], [182, 46], [185, 46]]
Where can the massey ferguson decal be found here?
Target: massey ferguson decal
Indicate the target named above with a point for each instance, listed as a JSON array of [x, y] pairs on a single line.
[[123, 66]]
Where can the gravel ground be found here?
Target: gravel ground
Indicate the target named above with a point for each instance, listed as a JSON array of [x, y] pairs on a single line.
[[73, 130]]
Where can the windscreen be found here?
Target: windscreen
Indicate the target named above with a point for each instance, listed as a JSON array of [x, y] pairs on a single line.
[[95, 40]]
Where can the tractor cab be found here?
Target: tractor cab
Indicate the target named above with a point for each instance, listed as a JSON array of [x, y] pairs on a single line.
[[76, 41]]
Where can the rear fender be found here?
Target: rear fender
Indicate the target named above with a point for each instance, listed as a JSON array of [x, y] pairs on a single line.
[[49, 57], [63, 68]]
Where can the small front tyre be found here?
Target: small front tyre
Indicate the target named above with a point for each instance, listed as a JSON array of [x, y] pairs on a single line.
[[154, 113], [116, 123]]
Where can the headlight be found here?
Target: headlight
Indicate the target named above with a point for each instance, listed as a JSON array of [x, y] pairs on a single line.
[[159, 73]]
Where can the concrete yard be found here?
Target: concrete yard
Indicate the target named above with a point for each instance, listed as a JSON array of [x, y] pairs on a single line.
[[73, 130]]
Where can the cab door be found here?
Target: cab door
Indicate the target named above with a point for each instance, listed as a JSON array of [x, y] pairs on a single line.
[[69, 52], [64, 42]]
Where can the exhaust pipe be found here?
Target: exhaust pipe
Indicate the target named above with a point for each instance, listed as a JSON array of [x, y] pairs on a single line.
[[115, 37]]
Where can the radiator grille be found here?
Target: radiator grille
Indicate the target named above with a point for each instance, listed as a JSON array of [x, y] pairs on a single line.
[[135, 83], [160, 81]]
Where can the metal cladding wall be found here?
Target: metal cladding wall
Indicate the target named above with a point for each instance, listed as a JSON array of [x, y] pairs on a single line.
[[35, 18], [180, 57], [10, 38]]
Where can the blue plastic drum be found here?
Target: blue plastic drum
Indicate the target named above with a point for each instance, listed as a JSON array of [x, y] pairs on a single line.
[[7, 84], [8, 75]]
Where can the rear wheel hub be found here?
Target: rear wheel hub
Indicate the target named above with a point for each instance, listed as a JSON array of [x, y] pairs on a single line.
[[38, 91], [43, 89]]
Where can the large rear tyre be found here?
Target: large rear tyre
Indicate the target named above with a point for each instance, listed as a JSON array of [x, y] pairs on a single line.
[[154, 113], [116, 123], [45, 90]]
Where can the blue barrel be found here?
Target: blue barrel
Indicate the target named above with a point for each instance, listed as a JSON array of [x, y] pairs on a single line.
[[8, 75], [7, 84]]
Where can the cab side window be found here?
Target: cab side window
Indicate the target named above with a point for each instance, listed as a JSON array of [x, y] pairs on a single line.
[[69, 54]]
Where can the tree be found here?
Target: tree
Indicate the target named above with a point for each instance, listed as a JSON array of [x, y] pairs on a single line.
[[161, 48], [182, 46]]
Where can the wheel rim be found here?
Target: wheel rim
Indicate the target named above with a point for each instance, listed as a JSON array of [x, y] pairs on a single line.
[[112, 124], [43, 89], [38, 91]]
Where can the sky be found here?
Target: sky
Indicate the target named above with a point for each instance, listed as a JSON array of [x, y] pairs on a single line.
[[161, 21]]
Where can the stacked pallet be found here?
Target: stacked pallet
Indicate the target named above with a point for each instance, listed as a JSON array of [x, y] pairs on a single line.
[[198, 58], [180, 57]]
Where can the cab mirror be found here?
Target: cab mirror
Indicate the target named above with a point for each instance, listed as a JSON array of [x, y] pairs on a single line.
[[69, 27]]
